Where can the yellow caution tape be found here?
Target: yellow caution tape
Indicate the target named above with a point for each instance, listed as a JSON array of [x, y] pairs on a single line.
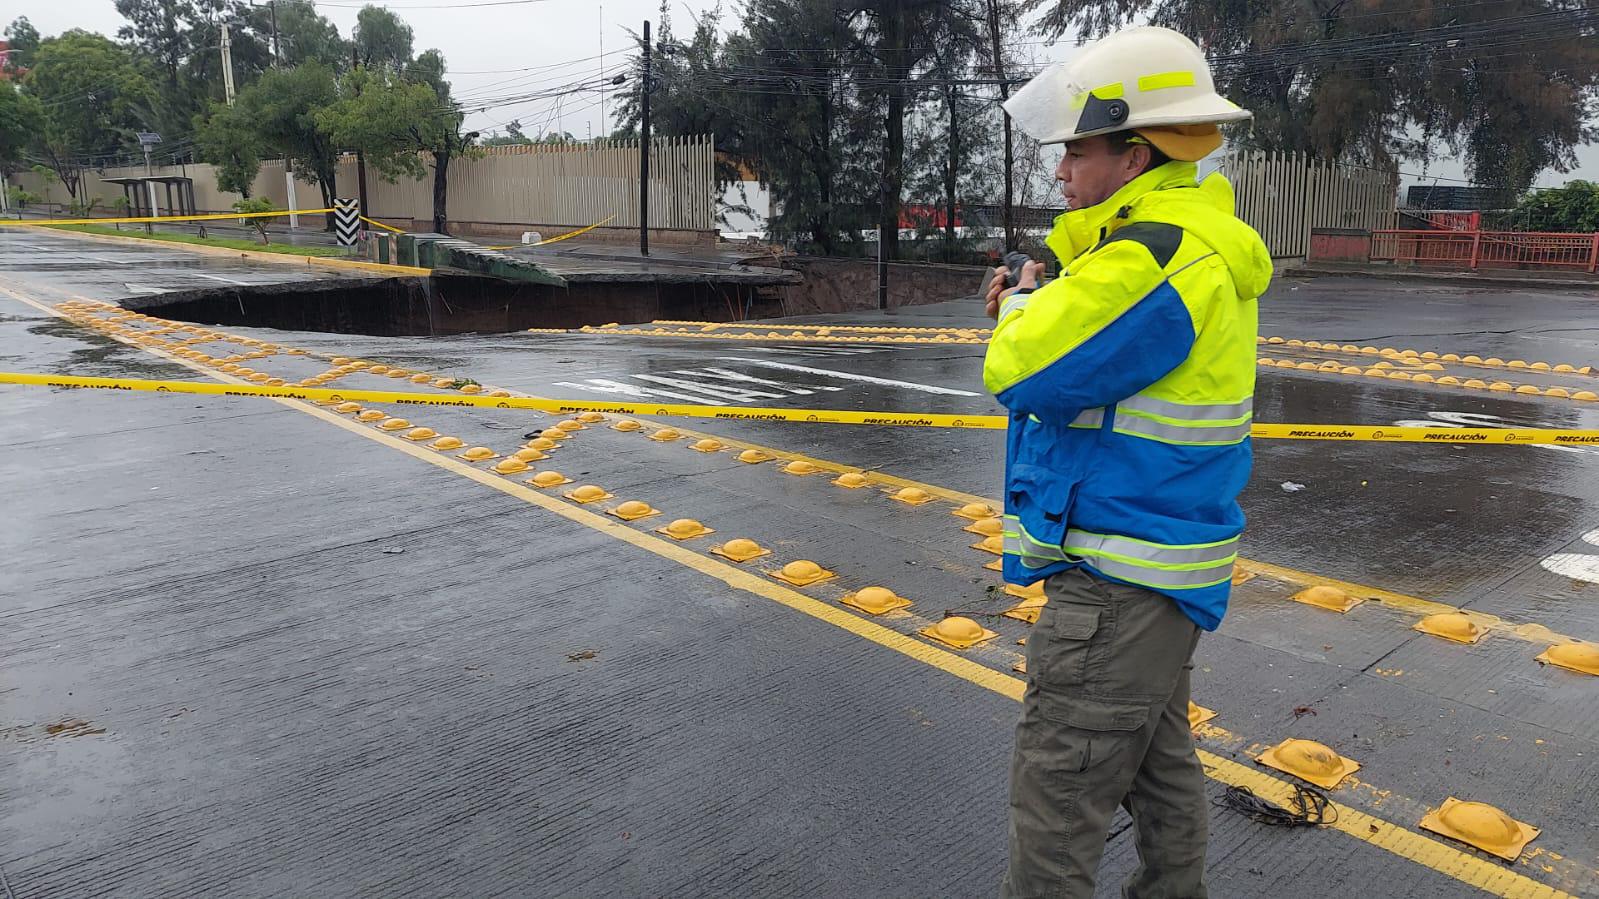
[[381, 225], [557, 238], [163, 218], [1376, 433]]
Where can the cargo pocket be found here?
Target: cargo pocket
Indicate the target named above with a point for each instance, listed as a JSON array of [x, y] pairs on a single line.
[[1058, 649], [1094, 731]]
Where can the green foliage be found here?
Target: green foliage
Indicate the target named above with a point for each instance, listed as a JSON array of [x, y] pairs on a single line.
[[1573, 207], [283, 107], [382, 40], [21, 198], [21, 118], [24, 40], [253, 205], [94, 98], [1356, 81], [228, 140], [230, 243]]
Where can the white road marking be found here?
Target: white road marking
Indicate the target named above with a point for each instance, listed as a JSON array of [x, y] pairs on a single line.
[[605, 385], [220, 278], [1482, 420], [851, 376], [716, 391], [1592, 537], [140, 288], [731, 375], [1574, 565]]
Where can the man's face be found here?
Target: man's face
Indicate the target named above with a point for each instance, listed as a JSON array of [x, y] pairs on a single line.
[[1089, 173]]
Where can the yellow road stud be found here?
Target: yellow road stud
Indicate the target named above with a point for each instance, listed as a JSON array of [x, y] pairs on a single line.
[[684, 529], [395, 424], [588, 493], [851, 480], [994, 544], [421, 434], [478, 454], [1455, 626], [398, 373], [443, 382], [633, 510], [1481, 825], [347, 408], [800, 467], [958, 631], [754, 457], [741, 549], [543, 444], [1327, 597], [554, 434], [627, 424], [420, 378], [446, 443], [371, 415], [875, 600], [510, 465], [1580, 657], [986, 527], [911, 496], [529, 455], [570, 424], [1198, 714], [591, 418], [547, 479], [470, 389], [1311, 761], [666, 435], [802, 573], [975, 511], [378, 369], [706, 445]]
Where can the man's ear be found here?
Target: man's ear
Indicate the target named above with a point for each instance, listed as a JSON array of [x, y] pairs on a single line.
[[1138, 157]]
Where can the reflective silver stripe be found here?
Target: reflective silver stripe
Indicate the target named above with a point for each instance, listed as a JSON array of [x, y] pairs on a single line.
[[1089, 418], [1214, 412], [1085, 543], [1012, 303], [1160, 577], [1204, 435]]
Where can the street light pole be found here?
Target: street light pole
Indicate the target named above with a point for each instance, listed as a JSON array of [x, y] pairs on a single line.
[[644, 151]]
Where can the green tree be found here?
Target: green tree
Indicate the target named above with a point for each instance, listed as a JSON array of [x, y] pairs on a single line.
[[21, 118], [94, 98], [228, 140], [1507, 83], [396, 121], [1572, 207], [24, 41], [513, 136], [382, 39], [283, 107]]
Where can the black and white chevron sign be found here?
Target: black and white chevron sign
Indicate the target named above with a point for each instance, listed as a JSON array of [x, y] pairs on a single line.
[[346, 221]]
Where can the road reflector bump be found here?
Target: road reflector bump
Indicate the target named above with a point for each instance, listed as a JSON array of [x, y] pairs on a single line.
[[994, 544], [627, 424], [347, 408], [633, 509], [420, 378], [1198, 714], [1481, 825], [442, 383], [1470, 360], [554, 434], [478, 454], [1399, 376], [588, 493], [707, 445], [753, 457], [528, 455], [958, 631], [546, 479], [273, 382], [1456, 626], [510, 465], [1296, 342], [1475, 384], [378, 369], [570, 424], [1557, 391], [470, 389], [741, 549], [372, 415], [1266, 361], [341, 360], [1529, 389], [1516, 363], [666, 435], [1349, 370], [591, 418], [446, 443], [421, 434], [1432, 366], [975, 511], [1274, 340], [543, 444], [1376, 373], [1563, 367], [1032, 602], [1325, 596], [800, 467], [1422, 378], [875, 600], [1369, 351], [398, 373], [684, 529], [499, 392], [986, 527], [1500, 387], [1580, 657], [1494, 361], [1587, 395], [1329, 366], [911, 496], [1259, 339], [1310, 761], [395, 424], [802, 573], [241, 370], [1449, 381], [1306, 366], [852, 480]]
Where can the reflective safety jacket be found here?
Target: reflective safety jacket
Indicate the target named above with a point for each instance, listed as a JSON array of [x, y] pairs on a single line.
[[1130, 383]]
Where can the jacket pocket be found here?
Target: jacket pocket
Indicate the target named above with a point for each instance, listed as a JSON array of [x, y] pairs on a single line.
[[1040, 499]]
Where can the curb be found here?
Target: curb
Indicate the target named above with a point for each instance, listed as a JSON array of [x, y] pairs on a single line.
[[1475, 280], [256, 255]]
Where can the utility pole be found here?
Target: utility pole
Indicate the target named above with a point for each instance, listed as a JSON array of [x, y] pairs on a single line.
[[360, 156], [1004, 94], [227, 62], [277, 55], [604, 128], [644, 151]]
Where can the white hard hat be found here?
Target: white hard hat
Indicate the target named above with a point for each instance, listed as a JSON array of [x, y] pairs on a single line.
[[1144, 77]]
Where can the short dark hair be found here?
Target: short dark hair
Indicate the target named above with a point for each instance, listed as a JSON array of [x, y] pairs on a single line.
[[1119, 142]]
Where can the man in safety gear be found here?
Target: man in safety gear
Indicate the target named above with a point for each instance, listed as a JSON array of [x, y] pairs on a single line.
[[1129, 381]]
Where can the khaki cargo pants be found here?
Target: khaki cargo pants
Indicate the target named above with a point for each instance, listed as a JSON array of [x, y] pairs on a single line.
[[1105, 723]]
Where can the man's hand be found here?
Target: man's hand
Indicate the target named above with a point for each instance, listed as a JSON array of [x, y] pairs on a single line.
[[1031, 274]]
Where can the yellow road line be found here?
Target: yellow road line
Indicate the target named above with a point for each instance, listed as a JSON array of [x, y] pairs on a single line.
[[1393, 838], [332, 262], [203, 217]]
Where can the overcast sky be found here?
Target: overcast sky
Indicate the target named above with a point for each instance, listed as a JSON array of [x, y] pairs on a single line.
[[516, 48]]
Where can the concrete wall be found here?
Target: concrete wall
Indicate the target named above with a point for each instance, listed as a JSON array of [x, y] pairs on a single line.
[[844, 285]]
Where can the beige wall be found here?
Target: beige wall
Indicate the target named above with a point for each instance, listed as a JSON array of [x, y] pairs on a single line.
[[1284, 195], [509, 186]]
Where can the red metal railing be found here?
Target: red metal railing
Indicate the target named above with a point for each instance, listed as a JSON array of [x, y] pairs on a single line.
[[1488, 249]]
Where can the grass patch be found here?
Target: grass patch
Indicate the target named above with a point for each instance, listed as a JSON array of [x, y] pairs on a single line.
[[227, 242]]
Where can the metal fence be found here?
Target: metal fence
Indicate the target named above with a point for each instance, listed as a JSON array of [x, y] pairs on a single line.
[[1284, 195], [1488, 249], [542, 184]]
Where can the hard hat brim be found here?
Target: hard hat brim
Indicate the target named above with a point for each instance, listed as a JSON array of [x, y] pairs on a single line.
[[1041, 109]]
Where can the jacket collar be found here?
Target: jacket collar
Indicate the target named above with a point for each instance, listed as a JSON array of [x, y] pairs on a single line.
[[1080, 230]]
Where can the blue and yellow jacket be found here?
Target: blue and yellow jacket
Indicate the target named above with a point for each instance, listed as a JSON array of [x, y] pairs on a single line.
[[1130, 383]]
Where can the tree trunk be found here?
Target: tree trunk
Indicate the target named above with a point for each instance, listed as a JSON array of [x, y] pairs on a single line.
[[894, 128], [325, 182], [1004, 94], [951, 171], [441, 184]]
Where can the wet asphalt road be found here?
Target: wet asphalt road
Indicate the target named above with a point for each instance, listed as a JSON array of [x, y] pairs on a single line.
[[252, 652]]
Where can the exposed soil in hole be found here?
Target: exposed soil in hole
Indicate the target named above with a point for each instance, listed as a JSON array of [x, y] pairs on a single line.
[[449, 304]]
